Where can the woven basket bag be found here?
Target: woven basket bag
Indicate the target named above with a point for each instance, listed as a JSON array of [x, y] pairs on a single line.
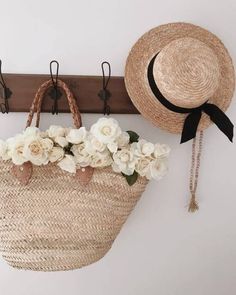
[[56, 221]]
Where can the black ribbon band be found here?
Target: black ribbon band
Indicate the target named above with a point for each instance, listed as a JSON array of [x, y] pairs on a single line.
[[192, 120]]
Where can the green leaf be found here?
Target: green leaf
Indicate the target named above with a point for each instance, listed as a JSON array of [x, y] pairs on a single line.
[[133, 136], [131, 179]]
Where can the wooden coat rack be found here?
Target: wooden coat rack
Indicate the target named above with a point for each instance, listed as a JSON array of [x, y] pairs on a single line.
[[85, 89]]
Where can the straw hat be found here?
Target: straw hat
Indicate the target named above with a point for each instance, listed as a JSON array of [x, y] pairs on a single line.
[[181, 78]]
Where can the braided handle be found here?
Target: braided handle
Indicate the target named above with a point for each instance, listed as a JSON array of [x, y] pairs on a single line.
[[37, 103]]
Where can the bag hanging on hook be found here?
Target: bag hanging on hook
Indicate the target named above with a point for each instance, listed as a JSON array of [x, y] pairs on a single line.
[[5, 93], [67, 220], [104, 93]]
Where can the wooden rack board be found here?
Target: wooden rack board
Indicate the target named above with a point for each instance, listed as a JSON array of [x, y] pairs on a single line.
[[85, 89]]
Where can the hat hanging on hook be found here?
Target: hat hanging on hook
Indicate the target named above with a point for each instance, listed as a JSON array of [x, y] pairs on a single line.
[[104, 93], [5, 93], [181, 77], [55, 92]]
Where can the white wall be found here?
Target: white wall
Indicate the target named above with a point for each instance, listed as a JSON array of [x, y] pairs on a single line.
[[162, 249]]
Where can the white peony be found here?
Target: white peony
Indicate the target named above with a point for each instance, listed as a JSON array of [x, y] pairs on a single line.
[[123, 140], [124, 161], [55, 131], [142, 148], [68, 163], [142, 165], [35, 151], [4, 151], [56, 154], [76, 136], [157, 169], [61, 141], [106, 130], [161, 150]]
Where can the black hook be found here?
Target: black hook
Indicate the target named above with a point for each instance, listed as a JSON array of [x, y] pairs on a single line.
[[5, 93], [105, 94], [55, 93]]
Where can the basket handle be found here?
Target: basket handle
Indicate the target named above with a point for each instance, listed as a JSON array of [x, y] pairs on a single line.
[[37, 103]]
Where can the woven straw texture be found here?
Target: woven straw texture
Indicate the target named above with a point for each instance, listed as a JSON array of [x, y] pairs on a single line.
[[56, 222], [204, 72], [187, 72]]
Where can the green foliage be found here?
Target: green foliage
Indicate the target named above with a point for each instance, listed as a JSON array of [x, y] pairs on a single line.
[[131, 179], [133, 136]]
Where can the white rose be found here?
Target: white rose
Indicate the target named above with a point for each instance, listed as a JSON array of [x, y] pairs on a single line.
[[16, 146], [78, 149], [10, 144], [56, 154], [101, 160], [76, 136], [157, 169], [92, 144], [161, 150], [61, 141], [124, 161], [142, 148], [43, 134], [123, 140], [4, 151], [82, 156], [55, 131], [106, 130], [35, 152], [112, 146], [31, 131], [86, 147], [142, 165], [47, 144], [68, 163], [84, 161], [67, 130]]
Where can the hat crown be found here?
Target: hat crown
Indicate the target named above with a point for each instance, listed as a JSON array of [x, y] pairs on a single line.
[[187, 72]]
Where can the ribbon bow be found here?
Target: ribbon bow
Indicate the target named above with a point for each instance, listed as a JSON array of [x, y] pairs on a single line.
[[216, 115], [192, 120]]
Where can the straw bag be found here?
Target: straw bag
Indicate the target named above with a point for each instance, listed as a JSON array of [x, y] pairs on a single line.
[[58, 221]]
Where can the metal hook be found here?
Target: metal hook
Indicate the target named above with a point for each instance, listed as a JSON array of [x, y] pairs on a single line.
[[6, 93], [55, 93], [105, 94]]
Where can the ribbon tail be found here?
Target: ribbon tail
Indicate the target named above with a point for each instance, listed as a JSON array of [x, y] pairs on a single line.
[[190, 126], [220, 119]]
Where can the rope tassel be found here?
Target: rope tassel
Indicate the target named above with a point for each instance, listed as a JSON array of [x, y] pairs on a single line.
[[194, 172], [193, 205]]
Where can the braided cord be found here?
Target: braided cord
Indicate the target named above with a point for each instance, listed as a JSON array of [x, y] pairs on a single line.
[[194, 171]]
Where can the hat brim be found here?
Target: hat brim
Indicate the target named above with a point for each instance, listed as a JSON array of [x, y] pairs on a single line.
[[136, 74]]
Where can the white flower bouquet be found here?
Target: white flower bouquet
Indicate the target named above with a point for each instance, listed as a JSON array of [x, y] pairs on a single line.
[[105, 144]]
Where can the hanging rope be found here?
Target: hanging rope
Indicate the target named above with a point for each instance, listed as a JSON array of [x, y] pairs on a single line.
[[194, 171]]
